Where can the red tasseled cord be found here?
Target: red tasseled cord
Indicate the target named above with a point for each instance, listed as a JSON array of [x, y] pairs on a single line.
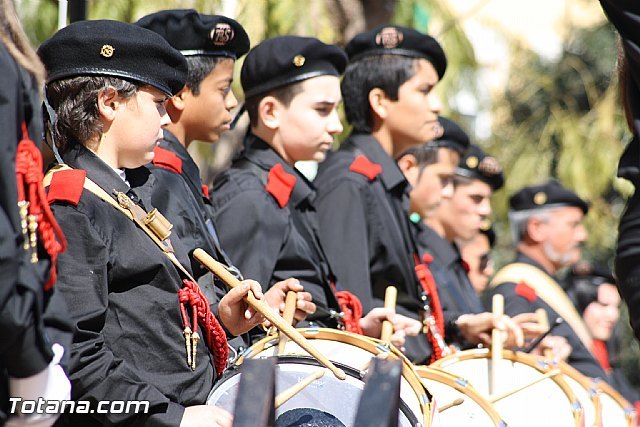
[[428, 284], [214, 335], [29, 178], [352, 311]]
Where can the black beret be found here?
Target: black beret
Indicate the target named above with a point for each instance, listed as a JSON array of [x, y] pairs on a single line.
[[549, 194], [476, 164], [396, 40], [453, 136], [283, 60], [114, 48], [584, 280], [193, 33]]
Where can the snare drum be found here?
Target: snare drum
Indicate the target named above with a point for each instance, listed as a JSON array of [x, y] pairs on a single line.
[[616, 410], [349, 351], [543, 402], [475, 410]]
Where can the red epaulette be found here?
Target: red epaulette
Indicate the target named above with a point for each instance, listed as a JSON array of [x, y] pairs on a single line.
[[280, 184], [365, 167], [66, 186], [167, 159], [205, 191], [526, 292], [465, 265]]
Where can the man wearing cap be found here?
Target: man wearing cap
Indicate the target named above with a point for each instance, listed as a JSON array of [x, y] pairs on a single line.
[[143, 329], [363, 197], [593, 290], [201, 111], [292, 91], [461, 216], [546, 224], [477, 254]]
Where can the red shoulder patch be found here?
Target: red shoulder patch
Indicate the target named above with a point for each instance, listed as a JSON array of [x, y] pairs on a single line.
[[526, 291], [167, 159], [205, 191], [365, 167], [465, 265], [280, 184], [66, 186]]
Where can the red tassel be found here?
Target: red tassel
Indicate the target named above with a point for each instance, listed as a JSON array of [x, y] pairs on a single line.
[[351, 309]]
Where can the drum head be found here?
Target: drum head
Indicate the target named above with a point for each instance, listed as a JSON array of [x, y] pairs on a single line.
[[328, 394], [543, 402], [616, 410]]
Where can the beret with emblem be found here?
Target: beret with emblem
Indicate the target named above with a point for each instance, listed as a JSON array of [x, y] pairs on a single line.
[[583, 281], [453, 136], [549, 194], [114, 48], [476, 164], [284, 60], [196, 34], [396, 40]]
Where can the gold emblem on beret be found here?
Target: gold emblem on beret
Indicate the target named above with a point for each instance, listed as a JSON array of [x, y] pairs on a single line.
[[472, 162], [389, 37], [221, 34], [107, 51], [298, 60], [540, 198], [489, 166]]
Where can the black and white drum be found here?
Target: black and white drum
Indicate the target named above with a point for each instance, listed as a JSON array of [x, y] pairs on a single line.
[[340, 398]]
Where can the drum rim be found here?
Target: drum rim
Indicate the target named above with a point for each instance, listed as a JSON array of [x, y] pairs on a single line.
[[584, 381], [311, 361], [474, 394], [629, 410], [538, 363]]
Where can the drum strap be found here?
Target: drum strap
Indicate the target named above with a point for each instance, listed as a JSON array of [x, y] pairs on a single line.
[[549, 291], [157, 228]]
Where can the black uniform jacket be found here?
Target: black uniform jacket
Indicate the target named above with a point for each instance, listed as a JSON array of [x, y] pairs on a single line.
[[519, 302], [625, 16], [457, 293], [26, 334], [267, 223], [363, 205], [122, 293], [179, 195]]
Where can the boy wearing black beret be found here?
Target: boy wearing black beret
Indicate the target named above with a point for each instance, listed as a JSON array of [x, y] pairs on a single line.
[[363, 197], [143, 328], [200, 111], [292, 91]]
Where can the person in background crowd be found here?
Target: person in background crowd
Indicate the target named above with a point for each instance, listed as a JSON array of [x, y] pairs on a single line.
[[595, 295]]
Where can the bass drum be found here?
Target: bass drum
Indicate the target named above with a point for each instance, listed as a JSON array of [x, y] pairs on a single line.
[[541, 400], [475, 410], [616, 410], [349, 351]]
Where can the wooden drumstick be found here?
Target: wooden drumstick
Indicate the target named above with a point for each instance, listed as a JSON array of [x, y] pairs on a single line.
[[496, 342], [297, 387], [263, 308], [543, 320], [289, 310], [455, 402], [390, 297], [549, 374]]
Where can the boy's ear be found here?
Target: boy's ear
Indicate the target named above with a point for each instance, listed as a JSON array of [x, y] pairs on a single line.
[[408, 164], [269, 110], [108, 103], [177, 101], [378, 102]]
